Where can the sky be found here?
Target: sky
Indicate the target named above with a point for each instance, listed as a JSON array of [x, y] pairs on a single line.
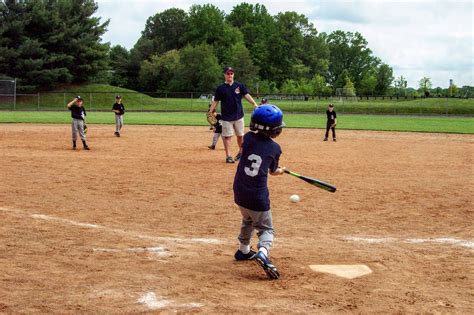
[[417, 38]]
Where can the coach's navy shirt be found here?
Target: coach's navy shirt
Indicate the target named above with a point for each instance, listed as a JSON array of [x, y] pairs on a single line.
[[259, 155], [230, 97]]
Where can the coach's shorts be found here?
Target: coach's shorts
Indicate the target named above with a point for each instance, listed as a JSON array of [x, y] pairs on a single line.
[[229, 127]]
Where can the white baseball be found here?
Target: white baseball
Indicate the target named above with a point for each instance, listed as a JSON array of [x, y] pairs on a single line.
[[295, 198]]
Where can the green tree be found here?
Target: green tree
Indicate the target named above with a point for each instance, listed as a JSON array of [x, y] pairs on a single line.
[[118, 61], [384, 79], [400, 86], [239, 58], [368, 83], [349, 52], [166, 30], [157, 72], [207, 25], [266, 87], [290, 86], [46, 42], [319, 85], [349, 89], [424, 85], [198, 70], [256, 24], [453, 90]]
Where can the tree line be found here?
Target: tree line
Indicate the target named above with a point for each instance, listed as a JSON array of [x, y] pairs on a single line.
[[46, 43]]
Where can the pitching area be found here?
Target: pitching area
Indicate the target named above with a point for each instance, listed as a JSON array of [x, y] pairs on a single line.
[[146, 222]]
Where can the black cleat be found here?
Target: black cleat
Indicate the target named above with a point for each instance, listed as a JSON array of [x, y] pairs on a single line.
[[266, 264], [325, 139], [229, 159], [241, 256], [212, 147], [237, 157]]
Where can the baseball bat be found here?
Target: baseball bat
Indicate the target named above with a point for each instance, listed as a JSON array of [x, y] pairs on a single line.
[[313, 181]]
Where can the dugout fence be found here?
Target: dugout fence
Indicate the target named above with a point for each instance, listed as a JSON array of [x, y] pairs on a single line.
[[198, 102]]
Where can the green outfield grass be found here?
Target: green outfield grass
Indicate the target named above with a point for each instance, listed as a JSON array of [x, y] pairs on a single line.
[[361, 122], [101, 97]]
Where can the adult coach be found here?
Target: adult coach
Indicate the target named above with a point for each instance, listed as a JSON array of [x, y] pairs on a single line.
[[230, 95]]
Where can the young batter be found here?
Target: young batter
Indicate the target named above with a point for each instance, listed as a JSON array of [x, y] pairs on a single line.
[[260, 156]]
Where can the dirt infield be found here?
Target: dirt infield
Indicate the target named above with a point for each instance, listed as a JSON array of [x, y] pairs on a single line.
[[146, 222]]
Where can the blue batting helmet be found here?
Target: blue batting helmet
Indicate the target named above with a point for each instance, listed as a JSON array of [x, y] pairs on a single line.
[[268, 120]]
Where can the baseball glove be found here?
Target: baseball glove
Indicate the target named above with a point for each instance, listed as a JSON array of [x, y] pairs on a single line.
[[85, 128], [211, 119], [333, 125]]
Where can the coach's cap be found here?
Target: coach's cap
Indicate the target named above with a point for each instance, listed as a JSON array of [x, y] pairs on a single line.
[[228, 69], [118, 96], [79, 98], [331, 105]]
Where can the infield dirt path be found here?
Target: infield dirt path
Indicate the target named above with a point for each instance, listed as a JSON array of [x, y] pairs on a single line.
[[146, 222]]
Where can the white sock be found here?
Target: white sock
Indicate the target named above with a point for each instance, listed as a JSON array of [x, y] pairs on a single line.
[[245, 249], [264, 251]]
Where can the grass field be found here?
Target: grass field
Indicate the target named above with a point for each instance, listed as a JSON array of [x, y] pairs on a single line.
[[101, 97], [356, 122]]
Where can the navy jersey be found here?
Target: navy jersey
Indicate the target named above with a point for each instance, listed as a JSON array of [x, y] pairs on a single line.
[[331, 115], [230, 97], [77, 112], [260, 154], [119, 107]]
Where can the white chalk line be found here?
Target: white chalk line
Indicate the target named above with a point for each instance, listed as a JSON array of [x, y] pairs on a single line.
[[115, 230], [439, 240], [157, 251], [154, 303]]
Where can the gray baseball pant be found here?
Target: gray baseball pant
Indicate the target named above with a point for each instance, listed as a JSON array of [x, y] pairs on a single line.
[[118, 122], [256, 220], [78, 126]]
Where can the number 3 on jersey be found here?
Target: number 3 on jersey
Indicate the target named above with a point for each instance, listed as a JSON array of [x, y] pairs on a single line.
[[255, 166]]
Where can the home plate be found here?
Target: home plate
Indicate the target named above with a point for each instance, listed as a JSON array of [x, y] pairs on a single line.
[[344, 271]]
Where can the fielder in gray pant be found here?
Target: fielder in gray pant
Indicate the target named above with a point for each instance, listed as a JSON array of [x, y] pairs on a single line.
[[78, 114], [78, 127], [118, 123]]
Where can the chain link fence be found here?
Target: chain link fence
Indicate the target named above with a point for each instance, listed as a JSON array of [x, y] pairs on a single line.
[[198, 102]]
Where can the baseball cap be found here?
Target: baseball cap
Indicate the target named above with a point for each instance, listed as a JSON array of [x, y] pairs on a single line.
[[79, 98], [118, 96], [331, 105], [228, 69]]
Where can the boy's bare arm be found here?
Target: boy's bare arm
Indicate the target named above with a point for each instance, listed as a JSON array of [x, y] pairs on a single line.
[[278, 171]]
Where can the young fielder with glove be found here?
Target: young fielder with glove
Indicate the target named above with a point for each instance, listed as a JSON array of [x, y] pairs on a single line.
[[119, 109], [260, 156], [217, 127], [78, 114], [331, 122]]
